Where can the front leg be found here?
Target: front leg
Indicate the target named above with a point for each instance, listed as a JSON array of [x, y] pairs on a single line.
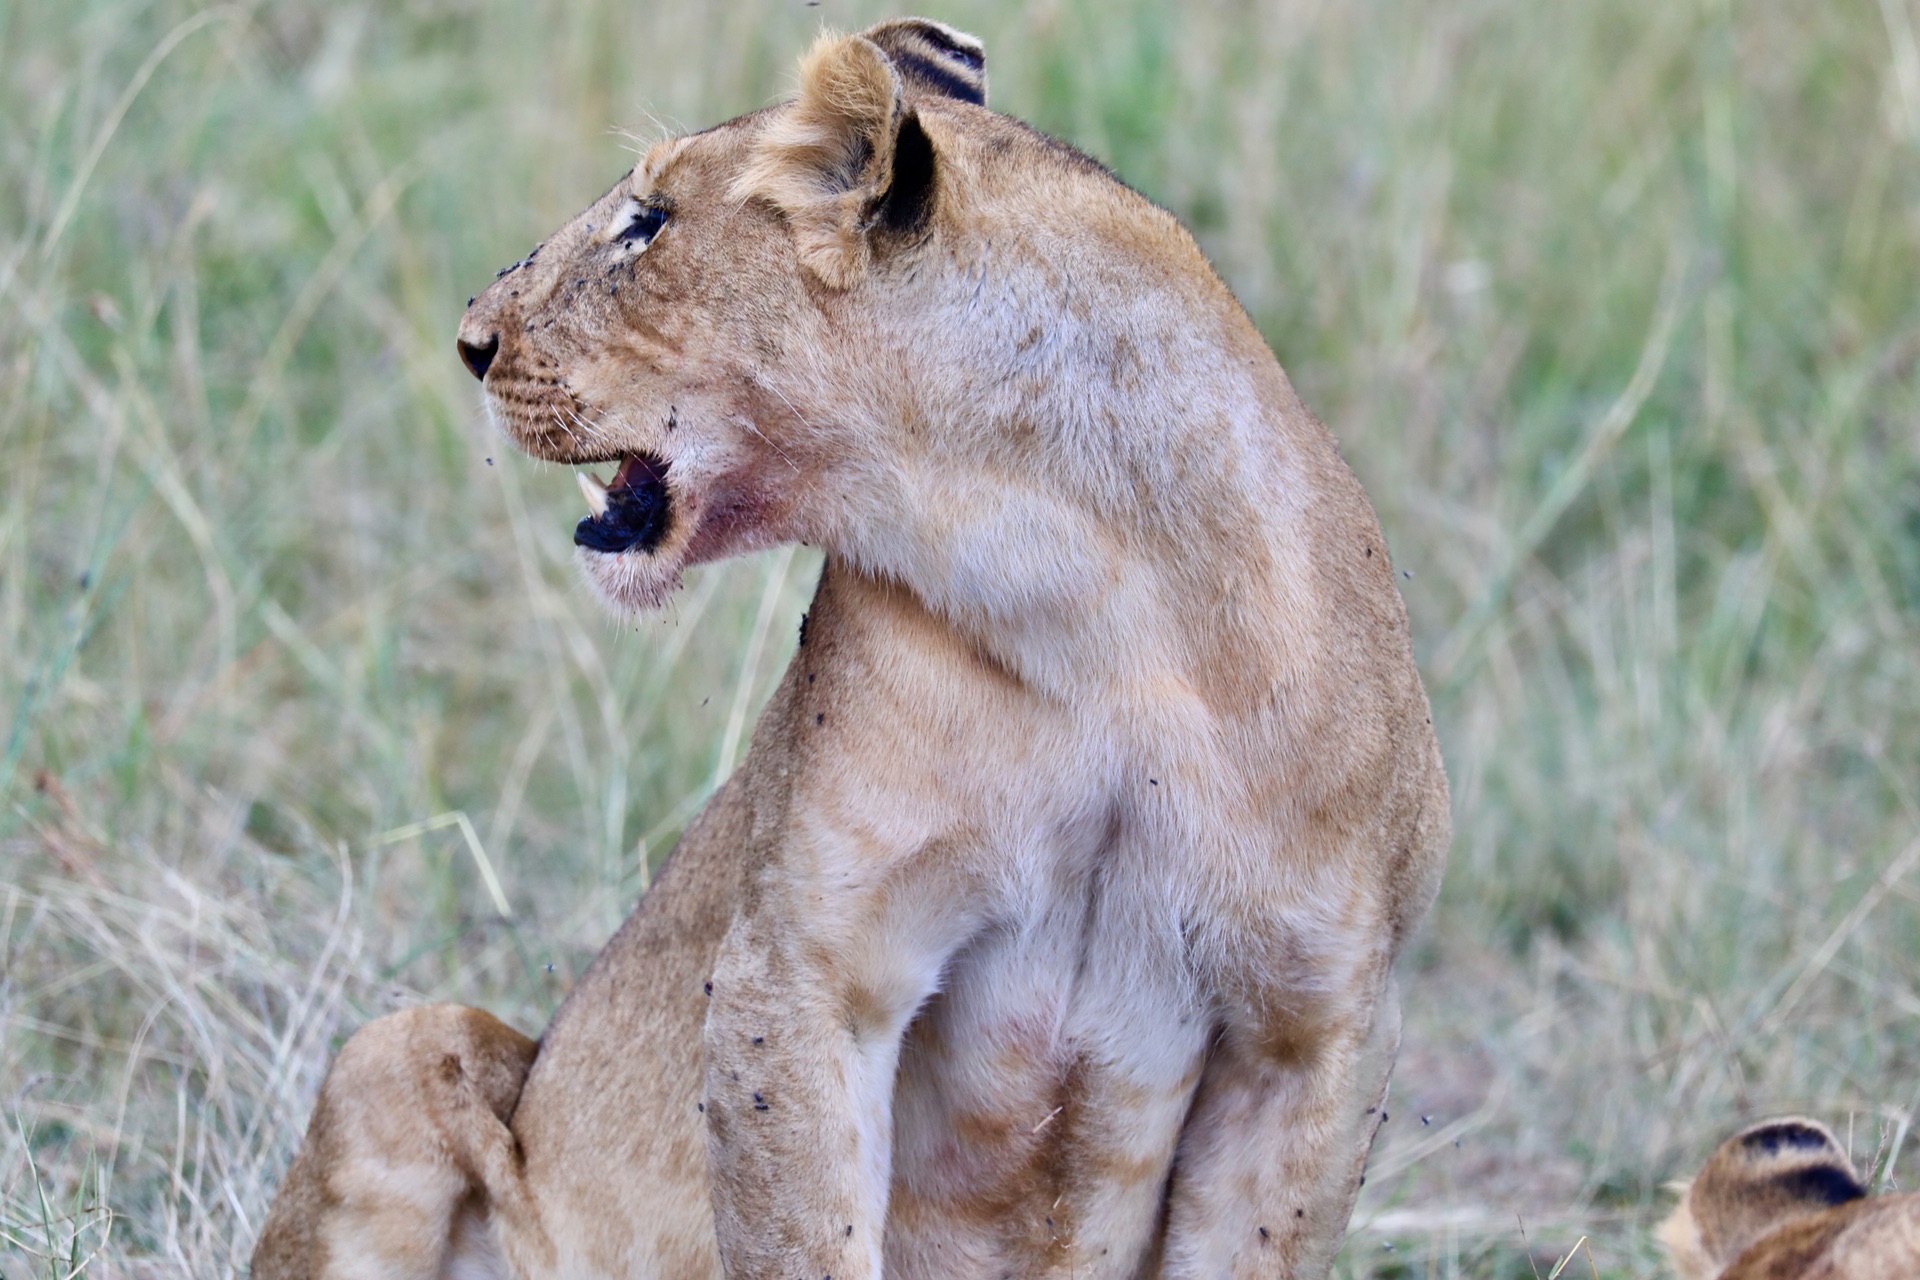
[[811, 997], [1274, 1151]]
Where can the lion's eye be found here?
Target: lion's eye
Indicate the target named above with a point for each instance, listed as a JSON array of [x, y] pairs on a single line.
[[643, 224]]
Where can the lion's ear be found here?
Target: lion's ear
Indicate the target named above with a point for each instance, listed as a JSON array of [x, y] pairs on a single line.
[[845, 159], [934, 58]]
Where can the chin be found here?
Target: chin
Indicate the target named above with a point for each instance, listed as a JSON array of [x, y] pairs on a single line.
[[643, 532], [631, 583]]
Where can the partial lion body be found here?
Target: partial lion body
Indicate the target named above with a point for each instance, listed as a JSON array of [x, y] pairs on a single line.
[[1046, 929], [1780, 1201]]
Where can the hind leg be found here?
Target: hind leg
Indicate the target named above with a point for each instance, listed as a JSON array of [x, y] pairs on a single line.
[[407, 1151]]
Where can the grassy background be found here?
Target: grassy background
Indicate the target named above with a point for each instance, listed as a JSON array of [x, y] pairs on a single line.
[[1615, 307]]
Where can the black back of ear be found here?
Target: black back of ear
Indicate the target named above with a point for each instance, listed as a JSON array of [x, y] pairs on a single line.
[[933, 58], [908, 199]]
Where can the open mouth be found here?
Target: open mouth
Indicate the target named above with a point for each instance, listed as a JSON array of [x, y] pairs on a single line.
[[634, 511]]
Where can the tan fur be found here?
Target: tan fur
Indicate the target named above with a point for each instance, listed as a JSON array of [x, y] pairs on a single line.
[[1780, 1201], [411, 1117], [1049, 920], [823, 159]]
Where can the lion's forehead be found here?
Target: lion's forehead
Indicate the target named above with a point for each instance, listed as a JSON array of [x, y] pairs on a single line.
[[718, 148]]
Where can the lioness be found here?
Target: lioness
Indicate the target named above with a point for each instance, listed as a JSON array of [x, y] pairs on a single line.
[[1780, 1201], [1046, 928]]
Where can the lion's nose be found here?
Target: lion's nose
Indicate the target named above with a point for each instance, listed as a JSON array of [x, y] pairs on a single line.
[[477, 356]]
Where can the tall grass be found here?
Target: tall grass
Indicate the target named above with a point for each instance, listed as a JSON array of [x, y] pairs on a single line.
[[1616, 308]]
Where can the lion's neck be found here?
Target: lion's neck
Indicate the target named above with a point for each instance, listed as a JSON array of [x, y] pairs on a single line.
[[1180, 563], [1097, 472]]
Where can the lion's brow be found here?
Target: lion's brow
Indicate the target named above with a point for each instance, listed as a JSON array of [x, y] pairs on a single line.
[[658, 156]]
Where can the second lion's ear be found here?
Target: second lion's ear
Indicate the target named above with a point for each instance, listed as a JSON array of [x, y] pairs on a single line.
[[844, 160], [933, 58]]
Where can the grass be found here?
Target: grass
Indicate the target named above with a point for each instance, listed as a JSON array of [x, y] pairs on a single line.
[[1616, 309]]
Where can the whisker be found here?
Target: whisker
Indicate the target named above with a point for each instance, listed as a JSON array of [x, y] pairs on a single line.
[[791, 408]]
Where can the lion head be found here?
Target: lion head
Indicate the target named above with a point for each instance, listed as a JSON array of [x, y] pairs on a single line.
[[709, 327], [1764, 1177]]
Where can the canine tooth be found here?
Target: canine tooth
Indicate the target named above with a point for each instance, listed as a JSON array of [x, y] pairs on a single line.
[[594, 492]]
